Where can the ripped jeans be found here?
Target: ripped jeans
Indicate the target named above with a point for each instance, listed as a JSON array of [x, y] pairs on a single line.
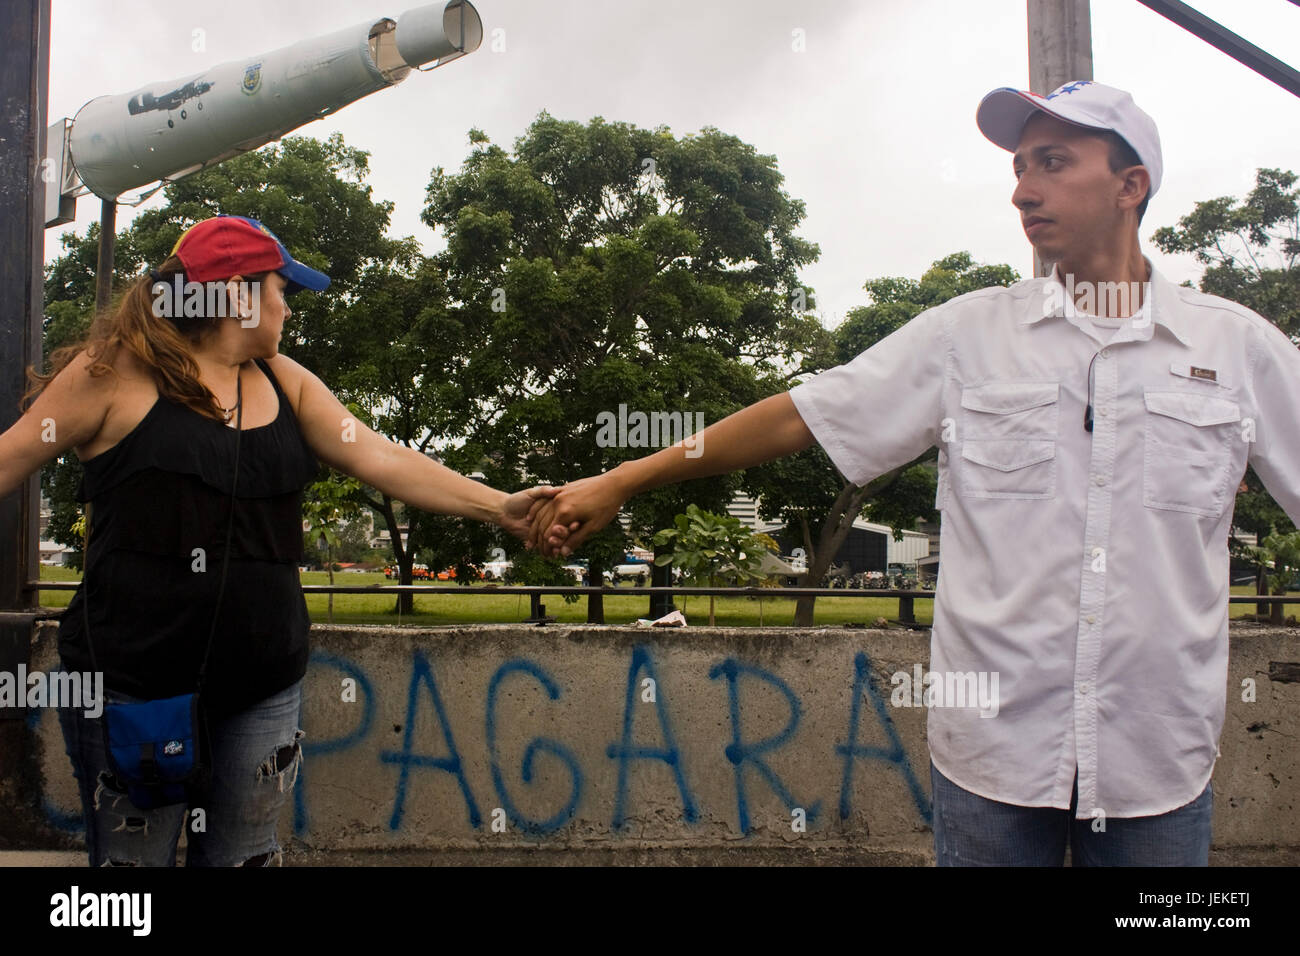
[[255, 759]]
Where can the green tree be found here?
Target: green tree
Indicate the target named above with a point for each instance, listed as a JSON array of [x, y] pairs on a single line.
[[604, 265], [805, 492], [1250, 248], [354, 539], [327, 504]]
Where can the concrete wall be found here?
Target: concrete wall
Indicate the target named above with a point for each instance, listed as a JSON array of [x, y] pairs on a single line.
[[518, 739]]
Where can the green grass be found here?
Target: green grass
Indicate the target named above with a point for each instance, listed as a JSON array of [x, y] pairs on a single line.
[[451, 605]]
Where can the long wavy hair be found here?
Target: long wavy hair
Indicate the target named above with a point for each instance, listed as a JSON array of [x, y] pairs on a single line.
[[165, 346]]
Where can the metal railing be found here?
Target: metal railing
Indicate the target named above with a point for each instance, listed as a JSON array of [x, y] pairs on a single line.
[[906, 597]]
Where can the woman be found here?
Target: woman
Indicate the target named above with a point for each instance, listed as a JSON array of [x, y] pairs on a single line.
[[157, 438]]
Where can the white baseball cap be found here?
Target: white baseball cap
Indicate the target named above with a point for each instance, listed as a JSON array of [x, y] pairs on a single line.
[[1002, 114]]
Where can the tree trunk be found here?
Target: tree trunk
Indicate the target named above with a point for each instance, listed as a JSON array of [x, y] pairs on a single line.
[[1261, 587], [836, 527], [405, 559]]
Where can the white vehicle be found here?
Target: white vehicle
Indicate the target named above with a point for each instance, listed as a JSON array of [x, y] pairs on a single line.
[[496, 570], [639, 573]]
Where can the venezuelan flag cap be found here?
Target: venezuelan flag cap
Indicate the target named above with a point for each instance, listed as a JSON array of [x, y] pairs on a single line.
[[223, 246]]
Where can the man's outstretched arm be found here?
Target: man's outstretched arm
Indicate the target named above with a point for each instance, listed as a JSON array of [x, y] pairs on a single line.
[[765, 430]]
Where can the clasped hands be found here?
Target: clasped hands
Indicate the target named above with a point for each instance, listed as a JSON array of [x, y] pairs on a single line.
[[557, 520]]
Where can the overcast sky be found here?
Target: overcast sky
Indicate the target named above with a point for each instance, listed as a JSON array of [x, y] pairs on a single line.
[[872, 124]]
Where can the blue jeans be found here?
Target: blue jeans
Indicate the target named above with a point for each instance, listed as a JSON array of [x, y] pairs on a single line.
[[970, 830], [255, 758]]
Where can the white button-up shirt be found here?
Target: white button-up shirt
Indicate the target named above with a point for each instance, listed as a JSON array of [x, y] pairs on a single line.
[[1088, 569]]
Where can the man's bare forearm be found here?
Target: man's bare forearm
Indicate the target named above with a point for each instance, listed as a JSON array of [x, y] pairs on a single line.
[[772, 428]]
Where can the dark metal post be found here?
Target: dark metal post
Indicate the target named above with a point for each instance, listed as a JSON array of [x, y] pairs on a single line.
[[24, 35], [107, 246], [24, 68], [1224, 40]]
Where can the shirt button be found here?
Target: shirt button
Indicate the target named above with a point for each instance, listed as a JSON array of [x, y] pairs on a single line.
[[1091, 619], [1105, 353], [1083, 688], [1101, 480]]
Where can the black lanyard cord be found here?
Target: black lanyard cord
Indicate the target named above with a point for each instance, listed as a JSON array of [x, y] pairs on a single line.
[[1087, 412]]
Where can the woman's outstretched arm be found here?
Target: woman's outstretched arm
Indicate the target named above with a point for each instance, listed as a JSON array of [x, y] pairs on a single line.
[[343, 442]]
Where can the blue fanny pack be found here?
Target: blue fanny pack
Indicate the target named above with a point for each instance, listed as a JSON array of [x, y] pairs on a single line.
[[155, 748]]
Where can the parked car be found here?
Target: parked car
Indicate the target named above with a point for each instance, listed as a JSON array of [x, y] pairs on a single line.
[[637, 571]]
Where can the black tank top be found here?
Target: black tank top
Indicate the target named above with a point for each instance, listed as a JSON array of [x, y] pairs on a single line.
[[160, 504]]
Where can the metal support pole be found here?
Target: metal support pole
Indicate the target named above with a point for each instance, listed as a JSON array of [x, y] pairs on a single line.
[[107, 246], [24, 69], [25, 36], [1060, 50]]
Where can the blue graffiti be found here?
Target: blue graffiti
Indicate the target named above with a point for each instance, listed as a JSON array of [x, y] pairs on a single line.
[[535, 746], [740, 753], [311, 748], [422, 673], [624, 751], [894, 754]]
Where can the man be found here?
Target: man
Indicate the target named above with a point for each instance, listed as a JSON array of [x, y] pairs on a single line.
[[1092, 428]]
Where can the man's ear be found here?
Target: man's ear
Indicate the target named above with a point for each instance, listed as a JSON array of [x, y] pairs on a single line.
[[1135, 186]]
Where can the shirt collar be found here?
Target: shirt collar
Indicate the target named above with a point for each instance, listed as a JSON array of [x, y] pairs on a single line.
[[1161, 299]]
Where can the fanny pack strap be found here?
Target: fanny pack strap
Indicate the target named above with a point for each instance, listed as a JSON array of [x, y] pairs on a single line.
[[225, 558]]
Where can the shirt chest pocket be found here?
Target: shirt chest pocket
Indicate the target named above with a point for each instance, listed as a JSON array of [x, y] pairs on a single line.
[[1187, 451], [1008, 440]]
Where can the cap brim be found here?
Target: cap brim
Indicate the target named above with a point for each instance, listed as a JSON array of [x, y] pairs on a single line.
[[298, 277], [1002, 114]]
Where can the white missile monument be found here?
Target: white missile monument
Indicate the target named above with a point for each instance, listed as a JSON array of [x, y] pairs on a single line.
[[170, 129]]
